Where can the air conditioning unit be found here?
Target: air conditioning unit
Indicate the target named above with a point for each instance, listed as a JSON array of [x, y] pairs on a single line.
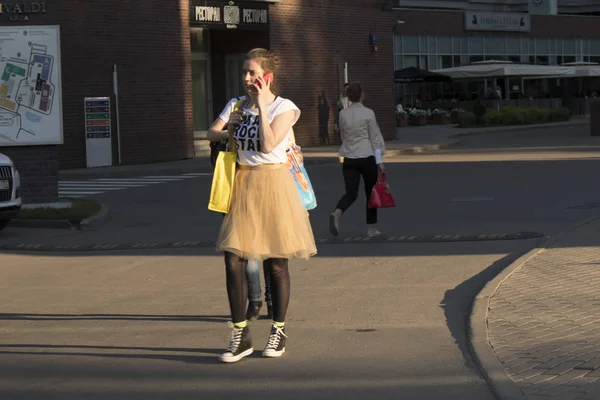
[[543, 7]]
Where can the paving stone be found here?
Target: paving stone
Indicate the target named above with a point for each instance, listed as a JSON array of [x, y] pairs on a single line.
[[521, 368], [585, 384], [555, 390], [536, 380], [544, 320], [526, 375], [591, 365], [536, 397], [570, 395], [594, 373], [554, 362], [516, 362]]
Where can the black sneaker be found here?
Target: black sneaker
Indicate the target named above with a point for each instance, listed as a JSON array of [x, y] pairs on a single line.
[[253, 310], [240, 345], [276, 345]]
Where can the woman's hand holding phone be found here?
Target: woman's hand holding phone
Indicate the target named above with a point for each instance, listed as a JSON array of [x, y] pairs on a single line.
[[263, 86]]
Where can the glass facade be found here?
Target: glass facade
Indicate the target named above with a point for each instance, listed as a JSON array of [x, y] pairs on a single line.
[[435, 52]]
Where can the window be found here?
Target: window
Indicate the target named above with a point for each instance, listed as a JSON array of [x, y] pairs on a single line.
[[410, 44], [513, 45], [541, 46], [570, 46], [399, 64], [411, 61], [476, 45], [397, 44], [495, 45], [445, 61], [595, 47], [444, 45], [437, 52]]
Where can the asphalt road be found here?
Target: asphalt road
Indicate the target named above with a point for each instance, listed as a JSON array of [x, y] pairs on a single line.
[[366, 320]]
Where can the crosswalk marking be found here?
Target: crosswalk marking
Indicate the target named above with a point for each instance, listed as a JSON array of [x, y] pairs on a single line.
[[78, 189]]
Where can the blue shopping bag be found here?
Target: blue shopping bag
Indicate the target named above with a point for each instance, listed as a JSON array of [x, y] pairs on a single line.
[[296, 166]]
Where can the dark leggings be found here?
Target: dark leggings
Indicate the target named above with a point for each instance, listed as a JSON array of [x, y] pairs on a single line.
[[353, 169], [237, 286]]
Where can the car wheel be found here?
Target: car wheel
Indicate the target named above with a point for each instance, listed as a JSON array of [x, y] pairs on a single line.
[[3, 224]]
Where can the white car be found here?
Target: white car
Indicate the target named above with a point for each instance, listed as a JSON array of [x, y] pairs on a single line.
[[10, 185]]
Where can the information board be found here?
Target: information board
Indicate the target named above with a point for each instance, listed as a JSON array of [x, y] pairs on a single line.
[[30, 86], [98, 142]]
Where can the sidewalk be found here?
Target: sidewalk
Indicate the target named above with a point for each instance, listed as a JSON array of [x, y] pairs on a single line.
[[410, 140], [536, 327]]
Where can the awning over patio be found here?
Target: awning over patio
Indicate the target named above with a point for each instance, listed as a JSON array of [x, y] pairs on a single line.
[[416, 75], [498, 70]]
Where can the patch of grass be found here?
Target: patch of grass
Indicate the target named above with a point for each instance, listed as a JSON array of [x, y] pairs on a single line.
[[80, 209]]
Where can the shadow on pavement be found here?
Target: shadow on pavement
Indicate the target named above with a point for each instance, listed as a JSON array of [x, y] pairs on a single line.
[[113, 317], [457, 303]]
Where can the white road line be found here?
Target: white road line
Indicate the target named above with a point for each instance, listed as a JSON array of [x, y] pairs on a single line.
[[176, 177], [87, 189], [69, 193], [468, 199], [132, 181], [91, 184], [102, 185]]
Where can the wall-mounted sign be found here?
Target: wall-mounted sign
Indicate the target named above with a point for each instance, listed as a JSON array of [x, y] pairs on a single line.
[[229, 14], [21, 11], [492, 21], [30, 86]]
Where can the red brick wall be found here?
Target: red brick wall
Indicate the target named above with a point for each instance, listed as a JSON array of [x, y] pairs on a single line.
[[314, 39], [38, 168], [149, 42]]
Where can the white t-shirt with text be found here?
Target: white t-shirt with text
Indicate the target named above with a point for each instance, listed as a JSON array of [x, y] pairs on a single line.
[[247, 138]]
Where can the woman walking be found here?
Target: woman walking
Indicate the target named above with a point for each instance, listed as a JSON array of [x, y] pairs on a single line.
[[267, 220], [362, 148]]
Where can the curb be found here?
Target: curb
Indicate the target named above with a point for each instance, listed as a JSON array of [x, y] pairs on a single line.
[[100, 216], [40, 223], [482, 352], [520, 128]]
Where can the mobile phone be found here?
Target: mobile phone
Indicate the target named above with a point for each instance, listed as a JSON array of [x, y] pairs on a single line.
[[268, 77]]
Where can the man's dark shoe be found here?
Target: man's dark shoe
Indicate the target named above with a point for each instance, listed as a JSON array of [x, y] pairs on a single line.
[[253, 310]]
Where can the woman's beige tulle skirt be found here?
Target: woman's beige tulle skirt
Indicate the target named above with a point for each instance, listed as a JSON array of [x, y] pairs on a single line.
[[266, 218]]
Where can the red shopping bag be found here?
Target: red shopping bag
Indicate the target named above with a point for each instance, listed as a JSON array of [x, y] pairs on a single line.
[[381, 196]]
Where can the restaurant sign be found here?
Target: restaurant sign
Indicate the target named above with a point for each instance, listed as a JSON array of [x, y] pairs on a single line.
[[491, 21], [230, 15], [21, 11]]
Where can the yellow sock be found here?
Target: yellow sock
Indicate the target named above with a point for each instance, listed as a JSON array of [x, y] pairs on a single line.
[[241, 324], [279, 324]]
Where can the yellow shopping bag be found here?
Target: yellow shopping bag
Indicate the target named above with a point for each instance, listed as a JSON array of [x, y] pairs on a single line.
[[221, 190], [222, 183]]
